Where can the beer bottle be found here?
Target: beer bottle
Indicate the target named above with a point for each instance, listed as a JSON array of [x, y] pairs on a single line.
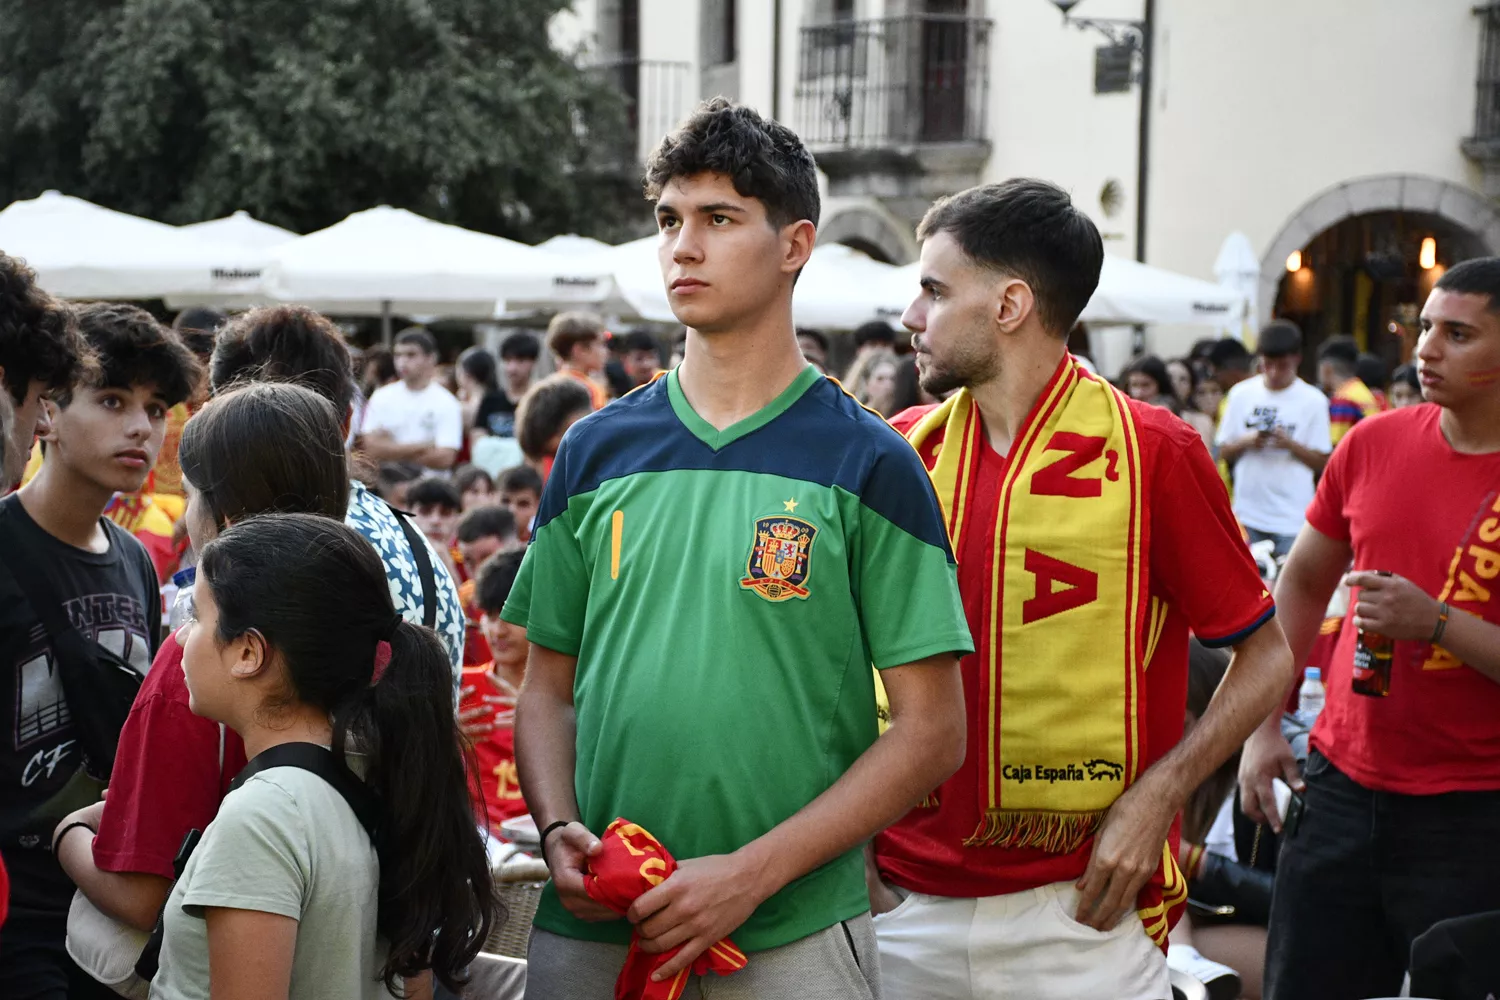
[[1373, 656]]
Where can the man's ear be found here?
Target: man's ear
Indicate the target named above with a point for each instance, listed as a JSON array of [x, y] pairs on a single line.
[[799, 239], [52, 409], [1014, 306]]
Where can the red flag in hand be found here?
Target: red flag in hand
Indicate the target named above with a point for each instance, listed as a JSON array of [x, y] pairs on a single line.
[[632, 862]]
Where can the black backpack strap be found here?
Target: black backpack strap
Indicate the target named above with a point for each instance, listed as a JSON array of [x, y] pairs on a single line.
[[308, 757], [319, 760], [424, 566]]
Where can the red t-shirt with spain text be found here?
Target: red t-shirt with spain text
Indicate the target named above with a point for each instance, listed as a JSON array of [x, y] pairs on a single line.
[[1407, 503], [1199, 567]]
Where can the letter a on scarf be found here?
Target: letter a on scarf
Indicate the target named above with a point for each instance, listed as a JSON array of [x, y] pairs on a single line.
[[631, 863]]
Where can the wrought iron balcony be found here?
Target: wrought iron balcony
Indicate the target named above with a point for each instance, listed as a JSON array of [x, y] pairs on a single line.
[[893, 83], [657, 96]]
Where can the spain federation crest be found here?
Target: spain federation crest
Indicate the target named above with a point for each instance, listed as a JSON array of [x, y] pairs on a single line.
[[780, 559]]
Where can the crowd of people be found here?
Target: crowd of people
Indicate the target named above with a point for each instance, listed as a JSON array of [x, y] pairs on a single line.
[[959, 677]]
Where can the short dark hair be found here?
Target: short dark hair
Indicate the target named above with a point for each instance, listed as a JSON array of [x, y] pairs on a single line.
[[762, 158], [1030, 229], [569, 329], [419, 336], [1341, 351], [39, 338], [196, 326], [1279, 339], [133, 349], [639, 340], [465, 476], [1407, 374], [874, 332], [1231, 354], [491, 521], [1479, 276], [1202, 348], [522, 344], [519, 477], [545, 407], [496, 576], [285, 344], [434, 492], [267, 446], [1372, 370], [816, 336], [395, 473]]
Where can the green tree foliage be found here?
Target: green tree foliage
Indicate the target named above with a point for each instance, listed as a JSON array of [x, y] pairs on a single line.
[[302, 112]]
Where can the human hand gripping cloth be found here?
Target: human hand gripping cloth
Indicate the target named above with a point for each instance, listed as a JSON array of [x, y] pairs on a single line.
[[1067, 651], [632, 862]]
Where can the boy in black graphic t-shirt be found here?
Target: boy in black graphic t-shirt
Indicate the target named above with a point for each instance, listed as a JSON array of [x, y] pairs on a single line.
[[104, 438]]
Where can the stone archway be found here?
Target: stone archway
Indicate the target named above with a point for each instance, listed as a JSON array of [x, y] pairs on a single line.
[[867, 226], [1464, 207]]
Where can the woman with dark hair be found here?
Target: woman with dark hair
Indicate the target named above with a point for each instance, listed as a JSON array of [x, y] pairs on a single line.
[[478, 377], [1406, 388], [1146, 379], [300, 887]]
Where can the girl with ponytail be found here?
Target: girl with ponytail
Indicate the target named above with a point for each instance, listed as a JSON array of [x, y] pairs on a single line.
[[292, 893]]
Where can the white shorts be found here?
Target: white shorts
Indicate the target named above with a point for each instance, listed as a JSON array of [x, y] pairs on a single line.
[[1021, 946]]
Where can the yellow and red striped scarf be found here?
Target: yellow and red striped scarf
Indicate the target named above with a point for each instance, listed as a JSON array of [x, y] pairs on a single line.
[[1066, 649]]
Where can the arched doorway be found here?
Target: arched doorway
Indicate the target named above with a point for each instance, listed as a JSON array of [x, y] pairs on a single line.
[[1361, 258], [867, 226]]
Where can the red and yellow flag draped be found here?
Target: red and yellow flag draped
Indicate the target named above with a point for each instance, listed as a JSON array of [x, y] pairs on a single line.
[[631, 863]]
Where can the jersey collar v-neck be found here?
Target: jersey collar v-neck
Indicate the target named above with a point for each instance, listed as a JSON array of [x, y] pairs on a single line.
[[717, 439]]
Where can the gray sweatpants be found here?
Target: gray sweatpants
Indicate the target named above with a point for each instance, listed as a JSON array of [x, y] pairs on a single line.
[[837, 963]]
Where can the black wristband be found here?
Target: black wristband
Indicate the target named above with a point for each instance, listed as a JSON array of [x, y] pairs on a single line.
[[542, 846], [58, 839]]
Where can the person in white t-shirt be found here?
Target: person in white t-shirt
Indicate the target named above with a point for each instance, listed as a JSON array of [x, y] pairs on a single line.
[[1274, 437], [415, 419]]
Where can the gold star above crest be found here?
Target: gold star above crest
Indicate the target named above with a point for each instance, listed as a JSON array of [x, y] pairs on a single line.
[[790, 505]]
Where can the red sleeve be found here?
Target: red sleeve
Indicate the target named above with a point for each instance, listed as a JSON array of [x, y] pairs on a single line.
[[1198, 554], [1326, 512], [166, 779]]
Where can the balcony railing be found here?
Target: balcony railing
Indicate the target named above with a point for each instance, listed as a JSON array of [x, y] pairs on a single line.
[[1487, 100], [894, 82], [657, 96]]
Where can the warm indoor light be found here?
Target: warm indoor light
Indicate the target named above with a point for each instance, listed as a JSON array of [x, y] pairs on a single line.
[[1294, 261], [1428, 257]]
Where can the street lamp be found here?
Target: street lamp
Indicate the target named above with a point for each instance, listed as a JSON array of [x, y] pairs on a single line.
[[1130, 37]]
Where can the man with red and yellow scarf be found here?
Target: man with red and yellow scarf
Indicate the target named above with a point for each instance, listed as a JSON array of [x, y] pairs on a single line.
[[1092, 533]]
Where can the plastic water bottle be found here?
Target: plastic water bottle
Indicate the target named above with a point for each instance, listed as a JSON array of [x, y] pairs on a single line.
[[1310, 696], [182, 582]]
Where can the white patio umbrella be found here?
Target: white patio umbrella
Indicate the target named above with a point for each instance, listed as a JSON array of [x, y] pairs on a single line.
[[1131, 292], [572, 245], [1237, 267], [839, 289], [242, 229], [85, 251], [388, 260]]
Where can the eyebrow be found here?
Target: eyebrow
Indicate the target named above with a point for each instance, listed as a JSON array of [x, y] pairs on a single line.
[[713, 208], [932, 284]]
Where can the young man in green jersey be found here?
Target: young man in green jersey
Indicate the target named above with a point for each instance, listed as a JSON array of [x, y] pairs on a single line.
[[718, 559]]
